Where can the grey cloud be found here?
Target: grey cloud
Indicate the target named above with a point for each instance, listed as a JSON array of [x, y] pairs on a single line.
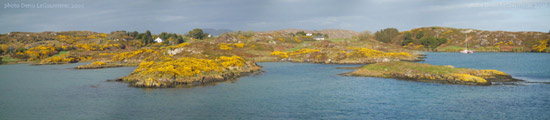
[[180, 16]]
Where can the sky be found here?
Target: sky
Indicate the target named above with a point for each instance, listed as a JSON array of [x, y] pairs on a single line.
[[180, 16]]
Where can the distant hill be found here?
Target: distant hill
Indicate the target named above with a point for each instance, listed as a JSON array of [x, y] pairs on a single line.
[[332, 33], [480, 40], [216, 32]]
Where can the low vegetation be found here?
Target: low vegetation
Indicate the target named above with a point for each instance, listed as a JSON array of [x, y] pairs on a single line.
[[440, 38], [386, 35], [432, 73], [188, 71]]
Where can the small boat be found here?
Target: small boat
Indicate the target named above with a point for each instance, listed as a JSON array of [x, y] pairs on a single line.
[[466, 51]]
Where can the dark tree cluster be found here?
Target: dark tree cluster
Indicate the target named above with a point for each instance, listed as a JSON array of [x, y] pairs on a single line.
[[386, 35], [432, 42], [171, 38], [197, 34]]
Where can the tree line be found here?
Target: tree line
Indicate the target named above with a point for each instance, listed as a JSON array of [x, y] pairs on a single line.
[[388, 35]]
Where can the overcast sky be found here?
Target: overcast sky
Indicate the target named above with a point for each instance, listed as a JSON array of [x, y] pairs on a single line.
[[179, 16]]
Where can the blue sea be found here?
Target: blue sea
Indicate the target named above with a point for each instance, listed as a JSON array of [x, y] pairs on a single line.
[[283, 91]]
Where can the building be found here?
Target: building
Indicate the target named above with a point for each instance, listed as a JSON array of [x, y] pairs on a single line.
[[309, 34], [158, 40], [319, 37]]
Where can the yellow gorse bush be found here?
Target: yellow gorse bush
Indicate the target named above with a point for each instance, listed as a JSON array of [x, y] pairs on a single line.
[[541, 46], [293, 53], [239, 45], [99, 63], [186, 67], [468, 78], [179, 46], [280, 54], [99, 35], [229, 46], [40, 52], [492, 72], [225, 46], [60, 59], [125, 55], [232, 61], [303, 51], [366, 52], [96, 47]]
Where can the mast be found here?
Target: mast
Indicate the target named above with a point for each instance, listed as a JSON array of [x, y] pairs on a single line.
[[466, 39]]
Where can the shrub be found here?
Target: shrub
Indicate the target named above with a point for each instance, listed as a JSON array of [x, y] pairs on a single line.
[[280, 54], [419, 34], [432, 42], [386, 35], [365, 35], [541, 46], [197, 34], [366, 52], [407, 39], [98, 63]]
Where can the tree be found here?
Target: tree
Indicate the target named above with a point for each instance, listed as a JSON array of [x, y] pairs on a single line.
[[179, 39], [147, 38], [365, 35], [163, 35], [407, 39], [419, 34], [197, 34], [386, 35], [134, 34], [139, 36], [301, 33], [432, 42]]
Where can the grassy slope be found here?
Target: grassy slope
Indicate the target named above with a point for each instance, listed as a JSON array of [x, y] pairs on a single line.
[[60, 53], [489, 41]]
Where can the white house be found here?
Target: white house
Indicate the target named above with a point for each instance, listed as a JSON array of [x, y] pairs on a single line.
[[309, 34], [318, 37], [158, 40]]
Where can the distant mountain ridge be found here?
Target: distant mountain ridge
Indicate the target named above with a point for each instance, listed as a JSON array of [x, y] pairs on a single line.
[[332, 33], [215, 32]]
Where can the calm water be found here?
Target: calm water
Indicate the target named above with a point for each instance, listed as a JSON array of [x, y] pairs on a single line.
[[284, 91]]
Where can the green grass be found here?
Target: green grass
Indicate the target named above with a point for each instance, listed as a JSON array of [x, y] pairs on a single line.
[[293, 49], [9, 59], [340, 39], [299, 46], [60, 53], [451, 48], [488, 48], [400, 67]]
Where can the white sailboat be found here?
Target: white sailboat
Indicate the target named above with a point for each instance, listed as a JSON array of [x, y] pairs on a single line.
[[466, 51]]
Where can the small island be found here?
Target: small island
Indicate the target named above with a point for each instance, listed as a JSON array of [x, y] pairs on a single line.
[[445, 74], [188, 72]]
